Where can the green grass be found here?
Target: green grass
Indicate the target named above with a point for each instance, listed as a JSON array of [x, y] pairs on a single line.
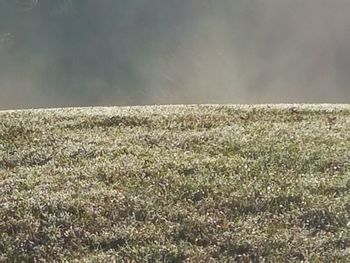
[[205, 183]]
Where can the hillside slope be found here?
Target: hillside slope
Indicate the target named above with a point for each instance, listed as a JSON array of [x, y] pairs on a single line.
[[196, 183]]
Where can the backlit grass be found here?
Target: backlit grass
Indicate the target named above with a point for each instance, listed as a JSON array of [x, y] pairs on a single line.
[[197, 183]]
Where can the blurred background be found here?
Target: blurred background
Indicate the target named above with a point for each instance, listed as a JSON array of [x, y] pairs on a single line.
[[58, 53]]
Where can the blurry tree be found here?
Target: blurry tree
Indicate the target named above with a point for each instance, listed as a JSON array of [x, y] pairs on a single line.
[[90, 47]]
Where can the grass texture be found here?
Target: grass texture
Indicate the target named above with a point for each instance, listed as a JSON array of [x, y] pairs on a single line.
[[185, 183]]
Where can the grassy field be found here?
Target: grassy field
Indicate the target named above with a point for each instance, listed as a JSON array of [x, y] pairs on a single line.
[[196, 183]]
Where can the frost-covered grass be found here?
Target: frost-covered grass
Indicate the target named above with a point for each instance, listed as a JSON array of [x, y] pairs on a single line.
[[205, 183]]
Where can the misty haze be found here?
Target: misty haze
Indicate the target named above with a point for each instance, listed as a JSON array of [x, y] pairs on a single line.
[[56, 53]]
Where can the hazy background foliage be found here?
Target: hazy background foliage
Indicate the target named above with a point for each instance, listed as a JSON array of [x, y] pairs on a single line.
[[113, 52]]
